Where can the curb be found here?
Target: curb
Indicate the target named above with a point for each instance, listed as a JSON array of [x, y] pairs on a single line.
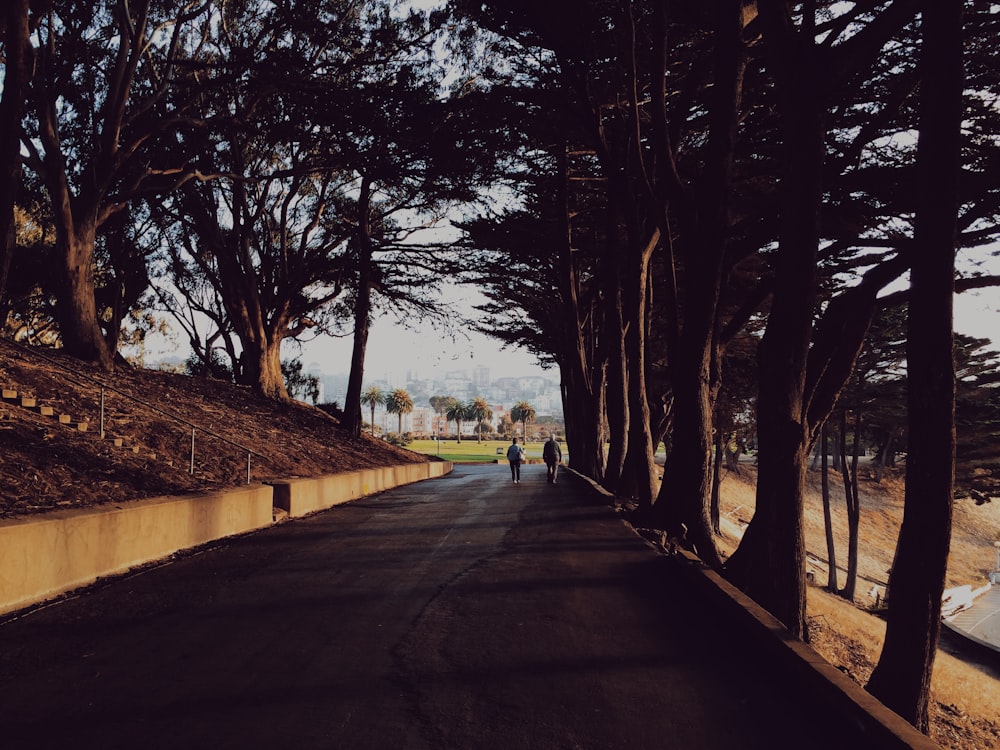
[[51, 554], [835, 692]]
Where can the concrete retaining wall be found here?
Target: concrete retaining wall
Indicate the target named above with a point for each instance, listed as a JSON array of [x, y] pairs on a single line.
[[46, 555], [299, 497], [41, 556], [835, 693]]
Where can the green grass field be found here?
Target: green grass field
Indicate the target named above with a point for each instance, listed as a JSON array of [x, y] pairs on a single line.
[[471, 451]]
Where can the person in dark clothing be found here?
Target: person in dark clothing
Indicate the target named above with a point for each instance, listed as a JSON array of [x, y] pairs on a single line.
[[552, 455], [515, 455]]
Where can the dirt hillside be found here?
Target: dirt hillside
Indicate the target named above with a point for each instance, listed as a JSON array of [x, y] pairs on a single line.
[[45, 464]]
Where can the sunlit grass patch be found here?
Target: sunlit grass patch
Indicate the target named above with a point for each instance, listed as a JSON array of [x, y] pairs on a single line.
[[470, 451]]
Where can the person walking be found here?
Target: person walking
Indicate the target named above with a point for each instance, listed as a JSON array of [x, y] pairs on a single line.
[[515, 455], [552, 455]]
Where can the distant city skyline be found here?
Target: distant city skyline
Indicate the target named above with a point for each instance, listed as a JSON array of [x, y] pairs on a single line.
[[393, 350]]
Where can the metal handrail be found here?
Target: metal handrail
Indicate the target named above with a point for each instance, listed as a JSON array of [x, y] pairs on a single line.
[[89, 379]]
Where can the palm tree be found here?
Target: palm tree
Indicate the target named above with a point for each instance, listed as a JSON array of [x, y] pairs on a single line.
[[456, 413], [523, 412], [441, 404], [372, 397], [399, 402], [479, 410]]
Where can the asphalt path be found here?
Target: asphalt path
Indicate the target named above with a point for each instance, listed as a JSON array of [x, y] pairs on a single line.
[[462, 612]]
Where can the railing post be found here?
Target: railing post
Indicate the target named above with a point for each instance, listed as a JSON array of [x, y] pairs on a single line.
[[102, 412], [191, 470], [249, 453]]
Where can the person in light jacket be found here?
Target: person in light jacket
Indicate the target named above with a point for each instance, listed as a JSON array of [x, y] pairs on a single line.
[[515, 455]]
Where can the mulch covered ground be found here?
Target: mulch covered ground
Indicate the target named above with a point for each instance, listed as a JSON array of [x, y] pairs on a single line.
[[45, 465]]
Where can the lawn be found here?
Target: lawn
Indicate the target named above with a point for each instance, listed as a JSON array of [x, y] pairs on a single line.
[[471, 451]]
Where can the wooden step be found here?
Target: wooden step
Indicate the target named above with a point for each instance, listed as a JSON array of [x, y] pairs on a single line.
[[45, 411], [9, 394], [28, 402]]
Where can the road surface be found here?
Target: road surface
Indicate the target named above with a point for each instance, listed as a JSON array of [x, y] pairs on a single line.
[[463, 612]]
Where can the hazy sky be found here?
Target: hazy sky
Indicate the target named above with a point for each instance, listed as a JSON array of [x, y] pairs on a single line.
[[395, 348], [392, 348]]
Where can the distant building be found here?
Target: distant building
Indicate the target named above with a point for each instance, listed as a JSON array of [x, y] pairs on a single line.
[[421, 422], [333, 390], [463, 385], [395, 380]]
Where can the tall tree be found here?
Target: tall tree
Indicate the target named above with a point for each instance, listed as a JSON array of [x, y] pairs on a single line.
[[479, 410], [17, 73], [901, 678], [399, 402], [457, 413], [693, 344], [270, 237], [397, 138], [802, 368], [276, 269], [101, 100], [441, 404], [523, 412], [371, 398]]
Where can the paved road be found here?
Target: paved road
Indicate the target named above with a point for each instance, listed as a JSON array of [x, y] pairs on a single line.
[[463, 612]]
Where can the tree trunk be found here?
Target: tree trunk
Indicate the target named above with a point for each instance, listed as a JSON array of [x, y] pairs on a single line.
[[687, 475], [583, 379], [583, 411], [76, 306], [639, 474], [901, 679], [770, 562], [685, 494], [260, 337], [616, 398], [76, 223], [850, 477], [362, 316], [261, 362], [714, 512], [831, 548], [17, 73]]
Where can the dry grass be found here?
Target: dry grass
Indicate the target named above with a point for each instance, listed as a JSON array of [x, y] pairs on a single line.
[[966, 692]]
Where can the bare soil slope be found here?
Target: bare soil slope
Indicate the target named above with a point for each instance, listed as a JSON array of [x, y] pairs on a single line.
[[45, 464]]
